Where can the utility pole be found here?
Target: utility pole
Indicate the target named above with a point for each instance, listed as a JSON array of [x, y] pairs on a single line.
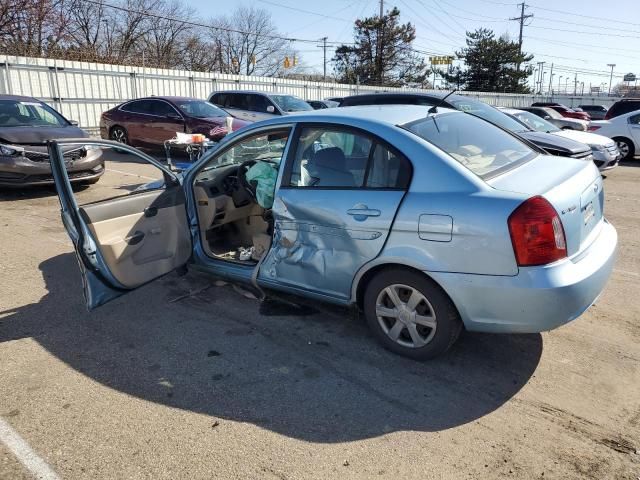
[[611, 76], [551, 80], [521, 19], [324, 63], [541, 66], [575, 85], [379, 43]]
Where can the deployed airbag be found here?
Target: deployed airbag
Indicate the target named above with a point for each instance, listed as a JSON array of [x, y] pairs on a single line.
[[265, 175]]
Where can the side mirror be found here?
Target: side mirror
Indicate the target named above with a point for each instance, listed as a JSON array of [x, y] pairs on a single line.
[[547, 117], [271, 109], [74, 123]]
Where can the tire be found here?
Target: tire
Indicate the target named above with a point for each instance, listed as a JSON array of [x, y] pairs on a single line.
[[119, 134], [626, 148], [439, 325]]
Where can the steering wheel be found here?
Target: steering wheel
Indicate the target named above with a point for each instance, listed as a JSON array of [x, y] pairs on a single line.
[[242, 178]]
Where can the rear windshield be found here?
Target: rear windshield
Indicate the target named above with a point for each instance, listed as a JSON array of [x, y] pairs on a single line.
[[476, 144], [289, 103], [489, 113], [15, 113]]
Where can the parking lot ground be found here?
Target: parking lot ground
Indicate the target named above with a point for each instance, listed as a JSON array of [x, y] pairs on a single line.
[[191, 378]]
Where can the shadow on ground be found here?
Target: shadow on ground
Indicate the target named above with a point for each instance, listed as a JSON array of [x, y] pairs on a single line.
[[300, 370]]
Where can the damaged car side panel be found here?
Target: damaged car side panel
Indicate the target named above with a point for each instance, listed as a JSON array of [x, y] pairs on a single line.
[[318, 245]]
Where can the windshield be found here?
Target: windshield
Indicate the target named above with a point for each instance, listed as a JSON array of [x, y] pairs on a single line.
[[200, 109], [535, 122], [552, 113], [289, 103], [489, 113], [476, 144], [15, 113]]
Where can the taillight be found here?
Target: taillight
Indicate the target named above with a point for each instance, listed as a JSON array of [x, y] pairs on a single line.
[[536, 233], [593, 128]]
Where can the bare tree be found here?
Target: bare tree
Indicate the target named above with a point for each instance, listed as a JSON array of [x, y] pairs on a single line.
[[247, 44], [165, 41]]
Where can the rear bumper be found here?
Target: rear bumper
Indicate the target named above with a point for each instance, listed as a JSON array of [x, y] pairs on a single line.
[[22, 172], [538, 298]]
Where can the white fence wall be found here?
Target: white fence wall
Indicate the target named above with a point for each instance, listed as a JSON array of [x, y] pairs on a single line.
[[82, 90]]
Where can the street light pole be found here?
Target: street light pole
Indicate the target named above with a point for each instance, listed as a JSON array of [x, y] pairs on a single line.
[[610, 76]]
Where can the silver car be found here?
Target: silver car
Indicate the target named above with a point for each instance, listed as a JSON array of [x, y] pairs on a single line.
[[604, 150], [254, 106], [429, 220], [563, 123]]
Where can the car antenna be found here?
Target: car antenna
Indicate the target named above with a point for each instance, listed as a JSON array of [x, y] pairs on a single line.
[[434, 109]]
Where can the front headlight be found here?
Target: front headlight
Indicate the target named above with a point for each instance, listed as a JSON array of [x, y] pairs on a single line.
[[8, 151]]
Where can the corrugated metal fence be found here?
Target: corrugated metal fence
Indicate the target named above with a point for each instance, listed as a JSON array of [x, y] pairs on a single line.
[[82, 90]]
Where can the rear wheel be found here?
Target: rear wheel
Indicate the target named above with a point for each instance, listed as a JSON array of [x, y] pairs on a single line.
[[626, 148], [410, 314], [119, 134]]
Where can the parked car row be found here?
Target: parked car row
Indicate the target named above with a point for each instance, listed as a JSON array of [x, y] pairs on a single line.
[[149, 122]]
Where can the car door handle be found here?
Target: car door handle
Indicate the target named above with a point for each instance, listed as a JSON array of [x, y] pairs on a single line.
[[363, 212], [135, 239], [150, 211]]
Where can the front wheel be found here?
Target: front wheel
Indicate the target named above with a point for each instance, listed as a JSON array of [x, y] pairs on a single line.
[[626, 148], [410, 314]]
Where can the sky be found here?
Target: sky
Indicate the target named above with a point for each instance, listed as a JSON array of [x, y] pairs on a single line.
[[578, 36]]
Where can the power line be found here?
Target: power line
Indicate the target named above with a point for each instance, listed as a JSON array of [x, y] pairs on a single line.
[[269, 2], [573, 14], [196, 24]]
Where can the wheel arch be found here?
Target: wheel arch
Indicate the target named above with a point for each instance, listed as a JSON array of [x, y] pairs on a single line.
[[365, 275], [630, 141]]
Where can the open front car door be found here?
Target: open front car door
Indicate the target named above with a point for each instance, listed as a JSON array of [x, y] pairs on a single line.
[[129, 229]]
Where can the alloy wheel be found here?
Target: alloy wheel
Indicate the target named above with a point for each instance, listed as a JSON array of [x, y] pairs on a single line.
[[406, 316], [119, 135], [623, 147]]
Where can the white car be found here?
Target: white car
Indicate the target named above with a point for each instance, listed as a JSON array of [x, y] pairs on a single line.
[[605, 152], [624, 129]]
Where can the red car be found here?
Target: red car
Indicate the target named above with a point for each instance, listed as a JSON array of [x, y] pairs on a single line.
[[148, 122], [563, 110]]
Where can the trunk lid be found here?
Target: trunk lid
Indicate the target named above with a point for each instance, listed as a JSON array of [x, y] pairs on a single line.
[[572, 186]]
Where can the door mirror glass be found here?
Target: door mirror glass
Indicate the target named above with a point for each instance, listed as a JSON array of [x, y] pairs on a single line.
[[74, 123], [271, 109]]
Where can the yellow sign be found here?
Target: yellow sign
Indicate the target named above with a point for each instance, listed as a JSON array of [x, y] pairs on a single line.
[[445, 60]]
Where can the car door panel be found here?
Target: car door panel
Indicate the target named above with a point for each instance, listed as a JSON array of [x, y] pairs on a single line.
[[141, 237], [127, 241], [322, 237]]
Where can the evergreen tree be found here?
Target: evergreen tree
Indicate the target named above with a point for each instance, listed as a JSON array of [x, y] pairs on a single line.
[[491, 65], [381, 54]]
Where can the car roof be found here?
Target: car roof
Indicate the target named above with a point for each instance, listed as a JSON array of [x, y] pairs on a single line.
[[251, 91], [19, 98], [381, 114], [169, 98]]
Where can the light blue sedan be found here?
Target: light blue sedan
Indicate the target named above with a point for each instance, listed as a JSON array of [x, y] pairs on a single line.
[[429, 220]]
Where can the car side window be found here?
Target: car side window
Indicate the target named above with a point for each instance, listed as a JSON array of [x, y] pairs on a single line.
[[138, 106], [388, 169], [239, 101], [259, 103], [160, 108], [634, 119], [336, 158]]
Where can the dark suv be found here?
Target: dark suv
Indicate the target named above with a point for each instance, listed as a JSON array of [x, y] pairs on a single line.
[[623, 106]]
